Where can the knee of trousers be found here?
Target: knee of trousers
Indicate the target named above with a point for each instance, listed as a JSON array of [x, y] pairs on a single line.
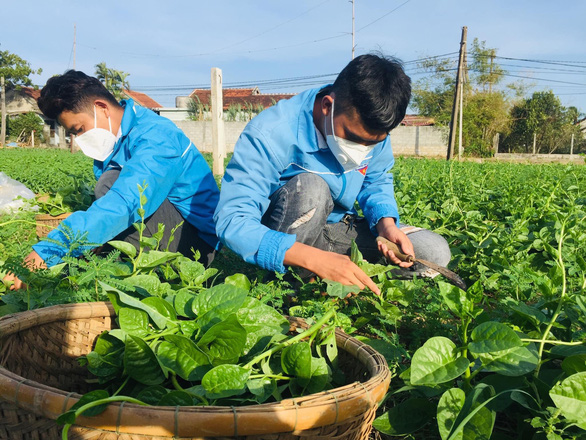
[[311, 191], [431, 247], [105, 182]]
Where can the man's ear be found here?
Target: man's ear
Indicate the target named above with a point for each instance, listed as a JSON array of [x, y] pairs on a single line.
[[102, 105], [326, 104]]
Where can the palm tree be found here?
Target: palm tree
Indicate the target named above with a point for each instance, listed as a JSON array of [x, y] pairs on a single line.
[[115, 81]]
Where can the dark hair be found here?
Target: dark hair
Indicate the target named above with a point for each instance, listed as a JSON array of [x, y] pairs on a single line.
[[73, 91], [377, 88]]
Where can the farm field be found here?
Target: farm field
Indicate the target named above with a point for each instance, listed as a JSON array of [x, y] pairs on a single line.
[[505, 358]]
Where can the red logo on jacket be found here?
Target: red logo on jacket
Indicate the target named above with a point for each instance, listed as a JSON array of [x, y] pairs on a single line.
[[362, 170]]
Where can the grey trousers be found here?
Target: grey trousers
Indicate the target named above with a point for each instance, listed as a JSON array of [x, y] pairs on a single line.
[[186, 237], [302, 207]]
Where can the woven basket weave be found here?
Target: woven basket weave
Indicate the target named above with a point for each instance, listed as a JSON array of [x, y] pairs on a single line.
[[40, 379], [46, 223]]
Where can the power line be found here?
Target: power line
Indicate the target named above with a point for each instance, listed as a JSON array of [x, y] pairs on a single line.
[[534, 78], [273, 28], [558, 63], [383, 16]]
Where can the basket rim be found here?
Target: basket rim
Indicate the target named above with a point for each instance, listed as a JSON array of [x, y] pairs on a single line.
[[289, 415], [41, 217]]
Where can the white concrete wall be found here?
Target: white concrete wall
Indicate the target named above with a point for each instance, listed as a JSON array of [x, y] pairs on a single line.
[[540, 158], [200, 133], [425, 141], [406, 141]]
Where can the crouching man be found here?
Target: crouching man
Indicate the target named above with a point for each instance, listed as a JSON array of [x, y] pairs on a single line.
[[298, 168], [131, 146]]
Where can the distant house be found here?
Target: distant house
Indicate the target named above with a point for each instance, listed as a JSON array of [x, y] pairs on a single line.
[[417, 121], [23, 100], [243, 97], [246, 99], [142, 99]]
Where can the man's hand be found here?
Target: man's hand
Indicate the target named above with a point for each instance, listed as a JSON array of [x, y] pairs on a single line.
[[32, 261], [387, 228], [329, 265]]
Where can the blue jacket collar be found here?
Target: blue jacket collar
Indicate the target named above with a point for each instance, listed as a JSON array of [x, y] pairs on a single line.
[[129, 116], [306, 135]]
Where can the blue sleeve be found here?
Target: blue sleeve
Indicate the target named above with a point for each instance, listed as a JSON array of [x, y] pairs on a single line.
[[251, 177], [156, 163], [377, 195]]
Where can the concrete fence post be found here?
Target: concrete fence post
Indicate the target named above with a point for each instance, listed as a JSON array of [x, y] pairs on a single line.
[[3, 112], [218, 134]]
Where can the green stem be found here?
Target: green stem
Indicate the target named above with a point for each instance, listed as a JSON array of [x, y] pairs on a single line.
[[19, 221], [544, 337], [269, 376], [122, 386], [159, 335], [465, 324], [310, 331], [178, 387], [99, 402], [175, 383], [554, 342]]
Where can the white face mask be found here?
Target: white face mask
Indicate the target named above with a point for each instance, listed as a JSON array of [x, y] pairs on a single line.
[[97, 143], [349, 154]]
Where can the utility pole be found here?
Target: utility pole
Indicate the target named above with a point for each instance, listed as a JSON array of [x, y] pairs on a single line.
[[3, 121], [460, 121], [74, 32], [218, 135], [457, 91], [353, 32], [492, 55]]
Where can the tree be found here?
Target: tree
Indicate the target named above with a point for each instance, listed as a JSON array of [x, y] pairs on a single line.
[[15, 70], [485, 110], [114, 80], [21, 127], [544, 117]]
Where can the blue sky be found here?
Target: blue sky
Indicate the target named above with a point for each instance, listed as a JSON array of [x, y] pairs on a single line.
[[286, 46]]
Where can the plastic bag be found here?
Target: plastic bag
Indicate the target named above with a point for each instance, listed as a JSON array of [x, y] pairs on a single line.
[[10, 190]]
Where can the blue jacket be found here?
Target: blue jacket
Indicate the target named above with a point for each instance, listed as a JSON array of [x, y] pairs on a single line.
[[151, 151], [278, 144]]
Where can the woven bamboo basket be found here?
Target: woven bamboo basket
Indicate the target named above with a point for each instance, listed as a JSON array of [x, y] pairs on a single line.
[[40, 378], [46, 223]]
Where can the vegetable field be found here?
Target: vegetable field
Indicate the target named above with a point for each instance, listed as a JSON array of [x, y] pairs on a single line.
[[504, 359]]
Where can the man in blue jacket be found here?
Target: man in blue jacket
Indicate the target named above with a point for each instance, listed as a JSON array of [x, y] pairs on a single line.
[[298, 168], [130, 146]]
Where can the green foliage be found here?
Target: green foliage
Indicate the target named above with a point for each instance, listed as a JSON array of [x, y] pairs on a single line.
[[488, 111], [506, 358], [21, 127], [77, 196], [211, 353], [15, 70], [544, 116], [47, 170], [114, 80], [197, 110]]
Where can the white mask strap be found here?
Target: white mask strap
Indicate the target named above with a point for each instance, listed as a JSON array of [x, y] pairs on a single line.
[[96, 120]]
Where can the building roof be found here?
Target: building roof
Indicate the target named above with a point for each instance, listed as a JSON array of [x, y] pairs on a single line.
[[244, 97], [142, 99], [417, 121], [22, 100], [33, 93]]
